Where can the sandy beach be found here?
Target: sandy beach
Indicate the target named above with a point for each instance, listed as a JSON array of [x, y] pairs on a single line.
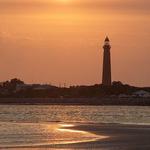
[[117, 137], [74, 127], [120, 137]]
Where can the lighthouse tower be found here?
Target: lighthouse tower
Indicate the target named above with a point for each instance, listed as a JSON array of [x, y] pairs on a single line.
[[106, 79]]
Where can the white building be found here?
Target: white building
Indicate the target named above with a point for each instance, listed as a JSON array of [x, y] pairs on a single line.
[[141, 93]]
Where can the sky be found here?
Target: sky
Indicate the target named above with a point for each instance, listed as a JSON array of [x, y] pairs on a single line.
[[60, 41]]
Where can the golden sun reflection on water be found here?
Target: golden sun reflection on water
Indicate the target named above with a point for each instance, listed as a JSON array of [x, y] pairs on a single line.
[[45, 135], [73, 135]]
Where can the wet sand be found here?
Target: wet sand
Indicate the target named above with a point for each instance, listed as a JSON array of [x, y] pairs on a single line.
[[118, 137], [121, 137]]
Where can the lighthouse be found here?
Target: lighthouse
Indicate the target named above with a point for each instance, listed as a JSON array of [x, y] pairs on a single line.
[[106, 77]]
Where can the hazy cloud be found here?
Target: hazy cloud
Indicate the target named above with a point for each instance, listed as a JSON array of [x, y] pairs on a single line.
[[40, 5], [70, 44], [6, 37]]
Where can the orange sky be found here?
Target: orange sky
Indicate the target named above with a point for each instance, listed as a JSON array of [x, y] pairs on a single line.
[[60, 41]]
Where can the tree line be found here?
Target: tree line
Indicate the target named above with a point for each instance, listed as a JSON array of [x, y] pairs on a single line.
[[10, 89]]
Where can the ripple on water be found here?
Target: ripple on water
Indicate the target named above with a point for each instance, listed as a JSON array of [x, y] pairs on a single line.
[[35, 134]]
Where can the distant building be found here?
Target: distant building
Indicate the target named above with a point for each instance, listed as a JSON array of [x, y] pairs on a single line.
[[41, 87], [20, 87], [141, 93], [124, 96], [106, 77]]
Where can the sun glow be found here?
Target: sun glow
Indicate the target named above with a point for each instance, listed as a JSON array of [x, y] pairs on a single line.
[[64, 1]]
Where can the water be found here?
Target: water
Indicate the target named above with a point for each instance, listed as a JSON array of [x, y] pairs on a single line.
[[46, 125]]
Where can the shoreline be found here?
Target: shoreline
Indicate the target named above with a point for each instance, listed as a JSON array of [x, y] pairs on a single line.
[[68, 104], [126, 137], [77, 101]]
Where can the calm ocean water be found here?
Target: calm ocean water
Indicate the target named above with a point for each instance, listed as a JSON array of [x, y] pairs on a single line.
[[43, 125]]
